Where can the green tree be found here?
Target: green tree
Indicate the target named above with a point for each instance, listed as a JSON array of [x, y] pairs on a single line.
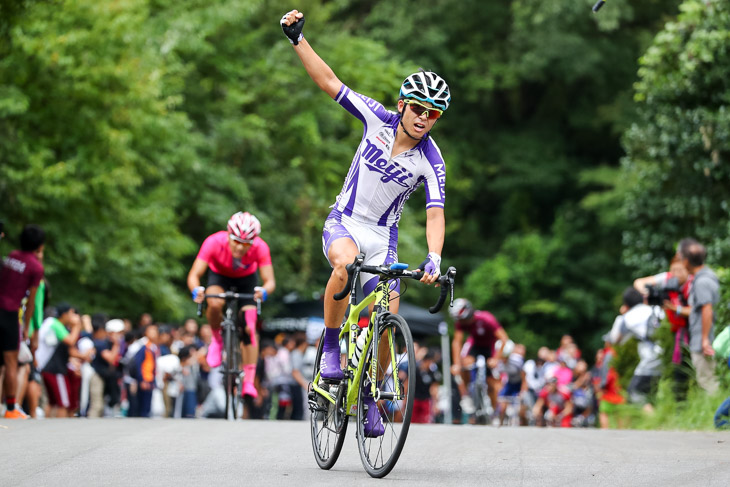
[[91, 143], [676, 168]]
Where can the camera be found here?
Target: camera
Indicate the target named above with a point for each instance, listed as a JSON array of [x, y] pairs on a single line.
[[657, 294]]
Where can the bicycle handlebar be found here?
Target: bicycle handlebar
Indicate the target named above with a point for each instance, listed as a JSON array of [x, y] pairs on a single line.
[[228, 296], [446, 281]]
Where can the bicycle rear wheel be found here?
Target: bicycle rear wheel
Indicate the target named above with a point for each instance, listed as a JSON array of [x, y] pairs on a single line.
[[231, 370], [396, 381], [328, 421]]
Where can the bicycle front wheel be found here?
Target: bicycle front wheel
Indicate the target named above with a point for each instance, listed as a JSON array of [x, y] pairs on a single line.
[[328, 420], [383, 420]]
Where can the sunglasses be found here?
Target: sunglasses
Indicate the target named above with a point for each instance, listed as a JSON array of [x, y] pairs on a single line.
[[240, 240], [419, 109]]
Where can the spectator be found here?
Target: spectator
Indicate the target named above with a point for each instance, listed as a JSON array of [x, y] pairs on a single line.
[[169, 379], [56, 344], [428, 378], [261, 405], [164, 340], [679, 280], [606, 385], [285, 380], [105, 384], [535, 380], [144, 320], [191, 327], [554, 406], [582, 393], [301, 382], [515, 385], [190, 376], [568, 351], [21, 273], [639, 320], [704, 296], [145, 363]]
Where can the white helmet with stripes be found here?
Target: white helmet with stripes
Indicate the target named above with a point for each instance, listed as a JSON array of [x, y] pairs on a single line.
[[462, 309], [244, 226], [427, 86]]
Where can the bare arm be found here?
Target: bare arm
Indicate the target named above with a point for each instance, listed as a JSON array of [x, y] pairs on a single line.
[[300, 378], [267, 277], [435, 229], [317, 69], [197, 271], [640, 284], [504, 338], [29, 308], [707, 318], [456, 345]]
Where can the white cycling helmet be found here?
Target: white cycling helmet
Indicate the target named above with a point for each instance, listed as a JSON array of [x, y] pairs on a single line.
[[244, 226], [461, 310], [427, 86]]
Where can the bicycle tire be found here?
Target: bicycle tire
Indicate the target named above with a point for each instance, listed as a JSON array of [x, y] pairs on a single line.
[[326, 442], [380, 454], [230, 370]]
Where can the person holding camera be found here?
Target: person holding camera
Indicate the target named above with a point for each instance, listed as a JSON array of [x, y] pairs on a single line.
[[704, 296], [639, 320], [671, 290]]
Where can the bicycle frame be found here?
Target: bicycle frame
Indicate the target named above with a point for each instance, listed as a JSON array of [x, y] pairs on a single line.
[[380, 296]]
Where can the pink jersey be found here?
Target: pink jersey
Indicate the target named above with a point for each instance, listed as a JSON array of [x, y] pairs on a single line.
[[217, 253]]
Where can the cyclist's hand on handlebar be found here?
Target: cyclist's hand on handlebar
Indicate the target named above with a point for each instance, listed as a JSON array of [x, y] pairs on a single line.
[[260, 294], [431, 268], [198, 294]]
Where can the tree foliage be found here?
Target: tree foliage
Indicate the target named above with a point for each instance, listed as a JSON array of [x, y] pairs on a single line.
[[132, 129], [676, 168]]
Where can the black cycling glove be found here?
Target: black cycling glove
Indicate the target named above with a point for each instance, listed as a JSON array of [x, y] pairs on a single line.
[[294, 31]]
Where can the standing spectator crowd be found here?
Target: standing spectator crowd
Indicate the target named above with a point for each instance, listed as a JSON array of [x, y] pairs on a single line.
[[74, 364]]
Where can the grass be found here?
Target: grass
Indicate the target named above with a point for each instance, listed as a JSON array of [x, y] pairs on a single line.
[[696, 413]]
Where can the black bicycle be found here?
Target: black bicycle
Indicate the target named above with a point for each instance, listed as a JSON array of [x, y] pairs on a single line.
[[231, 365]]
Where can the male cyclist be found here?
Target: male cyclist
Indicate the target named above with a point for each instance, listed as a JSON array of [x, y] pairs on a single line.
[[232, 259], [395, 156], [483, 331]]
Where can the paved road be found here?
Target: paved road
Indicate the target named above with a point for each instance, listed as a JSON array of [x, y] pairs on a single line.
[[217, 453]]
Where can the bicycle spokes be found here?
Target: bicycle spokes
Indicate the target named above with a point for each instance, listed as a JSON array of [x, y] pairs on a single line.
[[386, 400]]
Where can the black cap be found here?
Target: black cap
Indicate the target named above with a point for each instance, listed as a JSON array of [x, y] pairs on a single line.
[[64, 307]]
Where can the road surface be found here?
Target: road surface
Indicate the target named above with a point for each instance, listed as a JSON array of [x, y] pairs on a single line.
[[124, 452]]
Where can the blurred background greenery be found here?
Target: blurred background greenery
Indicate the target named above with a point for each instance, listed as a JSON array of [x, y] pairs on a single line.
[[580, 148]]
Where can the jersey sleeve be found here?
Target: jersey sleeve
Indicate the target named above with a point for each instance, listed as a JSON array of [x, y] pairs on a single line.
[[435, 178], [365, 109], [59, 330], [264, 254], [206, 250]]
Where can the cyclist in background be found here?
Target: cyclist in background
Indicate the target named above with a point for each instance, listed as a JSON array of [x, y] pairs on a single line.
[[482, 330], [232, 258]]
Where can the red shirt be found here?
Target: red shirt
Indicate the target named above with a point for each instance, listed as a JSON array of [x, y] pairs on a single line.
[[20, 271], [482, 329], [217, 253]]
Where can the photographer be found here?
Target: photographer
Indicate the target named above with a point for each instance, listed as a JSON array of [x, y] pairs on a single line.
[[671, 291], [704, 296], [639, 320]]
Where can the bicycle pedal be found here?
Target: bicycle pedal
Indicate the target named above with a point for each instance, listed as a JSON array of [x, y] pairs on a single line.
[[330, 382]]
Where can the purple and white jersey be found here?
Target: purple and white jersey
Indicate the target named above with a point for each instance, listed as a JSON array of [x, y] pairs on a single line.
[[379, 183]]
